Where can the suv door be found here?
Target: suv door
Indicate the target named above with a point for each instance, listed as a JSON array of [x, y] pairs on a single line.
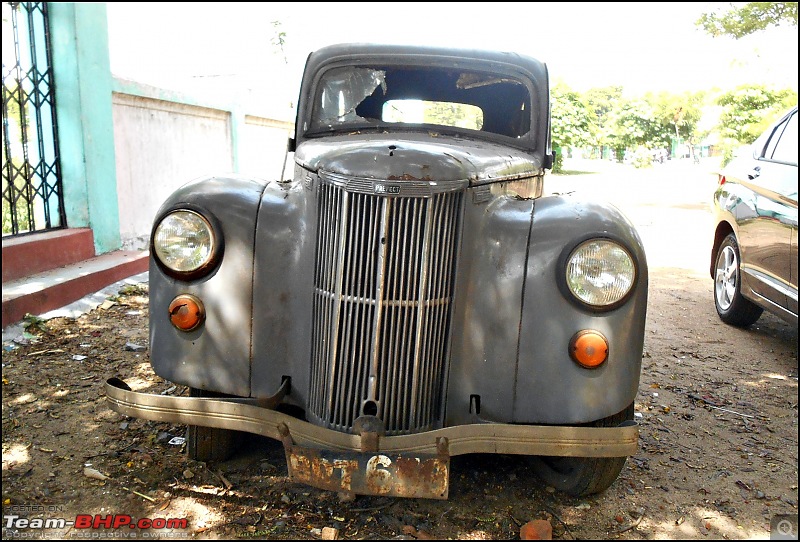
[[766, 239]]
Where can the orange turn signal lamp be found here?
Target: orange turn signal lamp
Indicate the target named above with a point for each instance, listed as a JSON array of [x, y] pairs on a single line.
[[186, 312], [588, 348]]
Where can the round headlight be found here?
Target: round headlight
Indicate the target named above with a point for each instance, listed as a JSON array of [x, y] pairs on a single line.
[[184, 241], [600, 272]]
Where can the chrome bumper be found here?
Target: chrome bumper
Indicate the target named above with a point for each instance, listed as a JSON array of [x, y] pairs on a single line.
[[414, 465]]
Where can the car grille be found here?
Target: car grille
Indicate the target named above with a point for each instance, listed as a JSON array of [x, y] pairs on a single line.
[[383, 291]]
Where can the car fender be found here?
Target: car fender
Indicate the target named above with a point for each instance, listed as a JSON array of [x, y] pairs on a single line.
[[550, 387], [216, 355], [283, 285]]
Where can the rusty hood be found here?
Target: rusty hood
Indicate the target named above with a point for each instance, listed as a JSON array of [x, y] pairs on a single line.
[[417, 157]]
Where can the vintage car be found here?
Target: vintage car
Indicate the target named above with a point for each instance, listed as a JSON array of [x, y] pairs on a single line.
[[408, 294]]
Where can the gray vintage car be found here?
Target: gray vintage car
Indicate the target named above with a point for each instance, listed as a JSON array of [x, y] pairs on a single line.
[[408, 294]]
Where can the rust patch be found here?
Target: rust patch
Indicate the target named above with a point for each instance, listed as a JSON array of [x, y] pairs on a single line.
[[314, 470], [369, 441], [409, 177], [434, 473], [371, 473]]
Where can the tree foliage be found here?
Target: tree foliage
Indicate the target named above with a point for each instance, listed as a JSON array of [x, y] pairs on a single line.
[[451, 114], [571, 122], [601, 102], [278, 39], [750, 18], [635, 124], [679, 115], [746, 113], [748, 109]]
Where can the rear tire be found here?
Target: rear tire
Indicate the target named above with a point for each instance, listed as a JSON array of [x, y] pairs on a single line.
[[580, 476], [209, 443], [732, 307]]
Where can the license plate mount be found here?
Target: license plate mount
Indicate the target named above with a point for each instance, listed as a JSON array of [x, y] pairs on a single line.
[[421, 476]]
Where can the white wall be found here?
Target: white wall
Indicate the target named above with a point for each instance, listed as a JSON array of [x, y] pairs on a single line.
[[262, 147], [161, 144]]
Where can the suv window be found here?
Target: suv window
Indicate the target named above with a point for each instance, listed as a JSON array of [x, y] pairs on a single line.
[[785, 146], [357, 97]]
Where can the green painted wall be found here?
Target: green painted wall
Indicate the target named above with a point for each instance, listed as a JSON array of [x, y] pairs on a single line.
[[83, 84]]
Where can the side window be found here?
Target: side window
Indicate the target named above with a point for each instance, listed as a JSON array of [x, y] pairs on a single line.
[[785, 148]]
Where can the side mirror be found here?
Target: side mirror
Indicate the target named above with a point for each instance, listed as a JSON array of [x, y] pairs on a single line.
[[549, 160], [291, 145]]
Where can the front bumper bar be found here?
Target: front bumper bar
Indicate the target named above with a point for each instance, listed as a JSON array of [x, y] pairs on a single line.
[[414, 465]]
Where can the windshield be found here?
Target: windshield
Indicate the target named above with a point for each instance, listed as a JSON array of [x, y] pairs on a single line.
[[358, 97]]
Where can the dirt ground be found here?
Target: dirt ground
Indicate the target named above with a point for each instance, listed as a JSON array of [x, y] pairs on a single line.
[[717, 408]]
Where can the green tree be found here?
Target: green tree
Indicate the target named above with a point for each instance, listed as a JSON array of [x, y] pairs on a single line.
[[453, 114], [571, 122], [643, 123], [747, 111], [636, 124], [750, 18], [679, 116], [278, 39], [602, 102]]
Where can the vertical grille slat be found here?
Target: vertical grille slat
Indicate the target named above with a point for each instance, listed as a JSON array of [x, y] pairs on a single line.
[[383, 288], [343, 400], [355, 309], [446, 255]]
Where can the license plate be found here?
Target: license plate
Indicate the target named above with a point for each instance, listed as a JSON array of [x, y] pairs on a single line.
[[423, 476]]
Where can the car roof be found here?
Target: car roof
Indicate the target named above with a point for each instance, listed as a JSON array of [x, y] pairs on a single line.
[[331, 53]]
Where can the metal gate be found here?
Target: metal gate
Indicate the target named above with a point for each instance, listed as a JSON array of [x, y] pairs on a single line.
[[33, 198]]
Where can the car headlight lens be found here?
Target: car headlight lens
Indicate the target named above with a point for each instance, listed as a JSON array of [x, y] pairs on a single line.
[[600, 272], [184, 241]]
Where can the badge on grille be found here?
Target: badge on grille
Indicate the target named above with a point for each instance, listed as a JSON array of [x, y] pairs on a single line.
[[387, 188]]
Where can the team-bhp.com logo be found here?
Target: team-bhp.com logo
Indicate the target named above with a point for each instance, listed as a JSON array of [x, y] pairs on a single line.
[[88, 522]]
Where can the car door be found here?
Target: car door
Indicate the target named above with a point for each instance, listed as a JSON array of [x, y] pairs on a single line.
[[793, 299], [766, 239]]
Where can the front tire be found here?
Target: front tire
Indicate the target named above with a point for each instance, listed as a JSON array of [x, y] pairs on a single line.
[[581, 476], [732, 307], [209, 443]]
